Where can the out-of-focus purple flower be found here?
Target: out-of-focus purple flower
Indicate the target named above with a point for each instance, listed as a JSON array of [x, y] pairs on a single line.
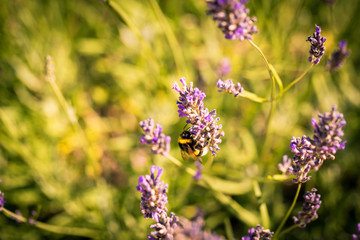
[[159, 142], [258, 233], [224, 68], [193, 229], [356, 236], [308, 213], [338, 57], [198, 173], [154, 196], [311, 153], [284, 167], [229, 87], [317, 48], [204, 124], [328, 135], [165, 227], [233, 19], [2, 201]]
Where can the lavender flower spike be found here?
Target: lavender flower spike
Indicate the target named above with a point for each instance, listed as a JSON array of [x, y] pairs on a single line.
[[154, 196], [204, 125], [357, 236], [159, 142], [328, 135], [338, 57], [233, 18], [164, 228], [229, 87], [308, 213], [258, 233], [317, 48]]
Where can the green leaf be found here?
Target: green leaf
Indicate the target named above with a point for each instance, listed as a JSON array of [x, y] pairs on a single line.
[[277, 77]]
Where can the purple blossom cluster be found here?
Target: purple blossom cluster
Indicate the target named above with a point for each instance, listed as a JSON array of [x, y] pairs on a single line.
[[159, 142], [356, 236], [258, 233], [154, 198], [165, 227], [2, 201], [317, 48], [204, 124], [152, 205], [233, 19], [338, 57], [311, 153], [308, 213], [229, 87], [194, 230]]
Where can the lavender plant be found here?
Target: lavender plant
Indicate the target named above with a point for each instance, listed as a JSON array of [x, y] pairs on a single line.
[[338, 57], [204, 126], [258, 233], [308, 213], [317, 48]]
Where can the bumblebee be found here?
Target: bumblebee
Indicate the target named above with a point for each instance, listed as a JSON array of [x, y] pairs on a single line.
[[190, 147]]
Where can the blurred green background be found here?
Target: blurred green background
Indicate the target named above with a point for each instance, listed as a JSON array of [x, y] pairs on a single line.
[[116, 65]]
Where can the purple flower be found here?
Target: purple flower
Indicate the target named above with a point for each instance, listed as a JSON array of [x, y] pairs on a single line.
[[258, 233], [223, 68], [308, 213], [198, 173], [204, 125], [2, 201], [159, 142], [317, 48], [229, 87], [357, 236], [284, 167], [194, 230], [154, 196], [165, 227], [338, 57], [311, 153], [328, 135], [233, 18]]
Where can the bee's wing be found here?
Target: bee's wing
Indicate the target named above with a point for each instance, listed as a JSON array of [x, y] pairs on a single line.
[[189, 153]]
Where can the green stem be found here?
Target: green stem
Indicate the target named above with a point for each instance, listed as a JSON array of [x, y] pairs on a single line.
[[239, 211], [264, 214], [263, 56], [296, 80], [73, 231], [288, 212], [272, 107], [288, 229]]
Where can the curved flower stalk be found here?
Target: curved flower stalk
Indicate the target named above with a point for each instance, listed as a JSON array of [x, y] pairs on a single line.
[[338, 57], [233, 19], [204, 124], [311, 153], [317, 48], [258, 233], [309, 209], [159, 142]]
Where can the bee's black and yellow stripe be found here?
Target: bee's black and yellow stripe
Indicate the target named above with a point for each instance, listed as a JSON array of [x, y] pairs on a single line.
[[188, 146]]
